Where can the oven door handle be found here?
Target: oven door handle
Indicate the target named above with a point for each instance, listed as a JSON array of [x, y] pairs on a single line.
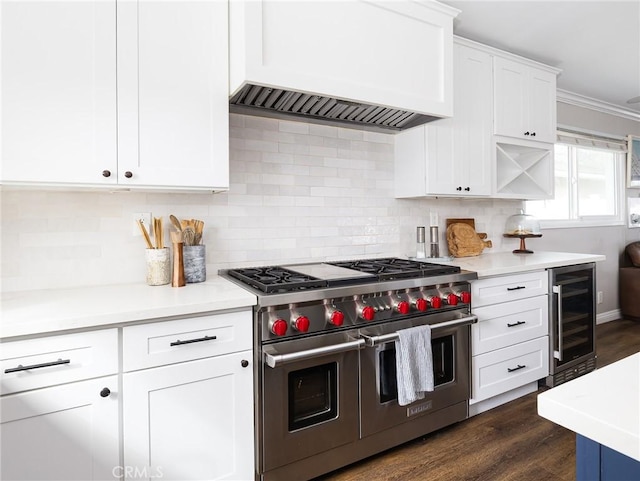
[[372, 341], [275, 360]]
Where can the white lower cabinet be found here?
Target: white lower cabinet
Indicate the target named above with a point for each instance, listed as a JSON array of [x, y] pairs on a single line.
[[510, 341], [176, 405], [65, 432], [189, 420], [56, 423], [499, 371]]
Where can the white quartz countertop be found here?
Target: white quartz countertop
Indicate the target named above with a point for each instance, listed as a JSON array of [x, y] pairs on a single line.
[[603, 406], [500, 263], [53, 310]]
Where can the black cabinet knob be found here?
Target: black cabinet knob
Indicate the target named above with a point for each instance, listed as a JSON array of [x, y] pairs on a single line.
[[106, 173], [527, 133], [467, 189], [459, 188], [105, 392], [533, 134], [244, 363], [128, 174]]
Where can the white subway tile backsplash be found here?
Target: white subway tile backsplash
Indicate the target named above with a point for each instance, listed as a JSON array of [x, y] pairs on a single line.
[[299, 192]]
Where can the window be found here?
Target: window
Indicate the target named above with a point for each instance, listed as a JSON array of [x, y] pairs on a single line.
[[588, 184]]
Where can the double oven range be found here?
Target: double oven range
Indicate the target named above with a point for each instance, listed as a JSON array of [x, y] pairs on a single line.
[[325, 370]]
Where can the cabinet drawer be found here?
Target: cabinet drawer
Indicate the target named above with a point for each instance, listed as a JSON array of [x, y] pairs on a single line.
[[509, 323], [160, 343], [500, 371], [47, 361], [494, 290]]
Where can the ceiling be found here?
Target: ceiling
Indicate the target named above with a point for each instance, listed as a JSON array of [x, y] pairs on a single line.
[[596, 43]]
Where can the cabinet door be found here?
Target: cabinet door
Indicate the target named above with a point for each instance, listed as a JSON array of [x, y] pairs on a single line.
[[510, 98], [542, 105], [58, 92], [192, 420], [459, 149], [65, 432], [173, 105]]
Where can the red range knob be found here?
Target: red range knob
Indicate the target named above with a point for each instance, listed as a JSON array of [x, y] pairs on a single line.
[[421, 304], [452, 299], [368, 313], [465, 297], [337, 318], [403, 307], [436, 302], [279, 327], [301, 324]]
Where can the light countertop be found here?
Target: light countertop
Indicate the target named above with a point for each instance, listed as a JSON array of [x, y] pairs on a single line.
[[53, 310], [500, 263], [603, 406]]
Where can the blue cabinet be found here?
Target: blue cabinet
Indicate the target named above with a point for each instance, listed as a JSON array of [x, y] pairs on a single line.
[[595, 462]]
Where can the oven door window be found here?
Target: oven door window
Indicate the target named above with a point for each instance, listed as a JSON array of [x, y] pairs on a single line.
[[313, 395], [443, 367]]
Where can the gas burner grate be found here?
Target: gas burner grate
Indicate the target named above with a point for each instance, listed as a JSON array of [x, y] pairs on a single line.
[[389, 268], [272, 279]]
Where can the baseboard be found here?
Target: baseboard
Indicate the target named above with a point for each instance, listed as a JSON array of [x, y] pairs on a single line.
[[608, 316]]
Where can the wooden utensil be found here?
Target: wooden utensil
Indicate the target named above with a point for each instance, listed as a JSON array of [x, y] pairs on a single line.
[[145, 234], [157, 232], [199, 227], [176, 223]]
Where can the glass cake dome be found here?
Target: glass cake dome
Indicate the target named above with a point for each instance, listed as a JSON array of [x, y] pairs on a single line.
[[522, 224]]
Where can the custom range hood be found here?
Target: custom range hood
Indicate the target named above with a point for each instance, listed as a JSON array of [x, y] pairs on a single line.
[[336, 62], [291, 105]]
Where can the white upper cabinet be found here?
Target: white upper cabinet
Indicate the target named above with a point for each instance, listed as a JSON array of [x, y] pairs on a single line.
[[173, 108], [393, 54], [134, 96], [452, 157], [58, 92], [524, 100]]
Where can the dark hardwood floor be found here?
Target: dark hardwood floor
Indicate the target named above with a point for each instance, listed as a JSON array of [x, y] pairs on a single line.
[[510, 442]]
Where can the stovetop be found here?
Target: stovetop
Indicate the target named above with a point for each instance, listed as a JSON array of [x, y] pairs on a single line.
[[304, 277]]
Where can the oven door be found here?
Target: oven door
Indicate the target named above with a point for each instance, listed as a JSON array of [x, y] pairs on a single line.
[[309, 396], [450, 344]]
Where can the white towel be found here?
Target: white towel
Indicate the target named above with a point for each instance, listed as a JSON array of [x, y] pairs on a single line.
[[414, 364]]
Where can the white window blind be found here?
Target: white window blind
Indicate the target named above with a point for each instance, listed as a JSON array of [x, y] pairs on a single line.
[[592, 141]]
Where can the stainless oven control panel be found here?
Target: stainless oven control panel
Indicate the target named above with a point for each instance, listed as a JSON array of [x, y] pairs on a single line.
[[286, 321]]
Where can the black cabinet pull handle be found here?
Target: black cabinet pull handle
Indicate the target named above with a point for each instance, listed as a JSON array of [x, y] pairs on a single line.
[[517, 288], [459, 188], [128, 174], [520, 366], [105, 392], [20, 367], [106, 173], [467, 189], [519, 323], [191, 341], [244, 363], [533, 134], [527, 133]]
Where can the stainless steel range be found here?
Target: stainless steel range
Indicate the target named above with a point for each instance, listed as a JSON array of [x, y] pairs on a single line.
[[325, 366]]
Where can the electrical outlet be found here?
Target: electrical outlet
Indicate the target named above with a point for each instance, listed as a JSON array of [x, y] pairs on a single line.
[[146, 220], [600, 297]]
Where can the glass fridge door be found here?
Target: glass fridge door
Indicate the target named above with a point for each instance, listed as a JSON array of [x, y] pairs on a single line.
[[573, 293]]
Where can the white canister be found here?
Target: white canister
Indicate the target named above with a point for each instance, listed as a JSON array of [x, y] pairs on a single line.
[[158, 266]]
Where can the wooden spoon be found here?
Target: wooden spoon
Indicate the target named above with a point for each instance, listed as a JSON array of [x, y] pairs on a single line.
[[176, 223]]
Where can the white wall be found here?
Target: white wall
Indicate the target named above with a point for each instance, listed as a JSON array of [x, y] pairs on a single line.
[[299, 192]]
